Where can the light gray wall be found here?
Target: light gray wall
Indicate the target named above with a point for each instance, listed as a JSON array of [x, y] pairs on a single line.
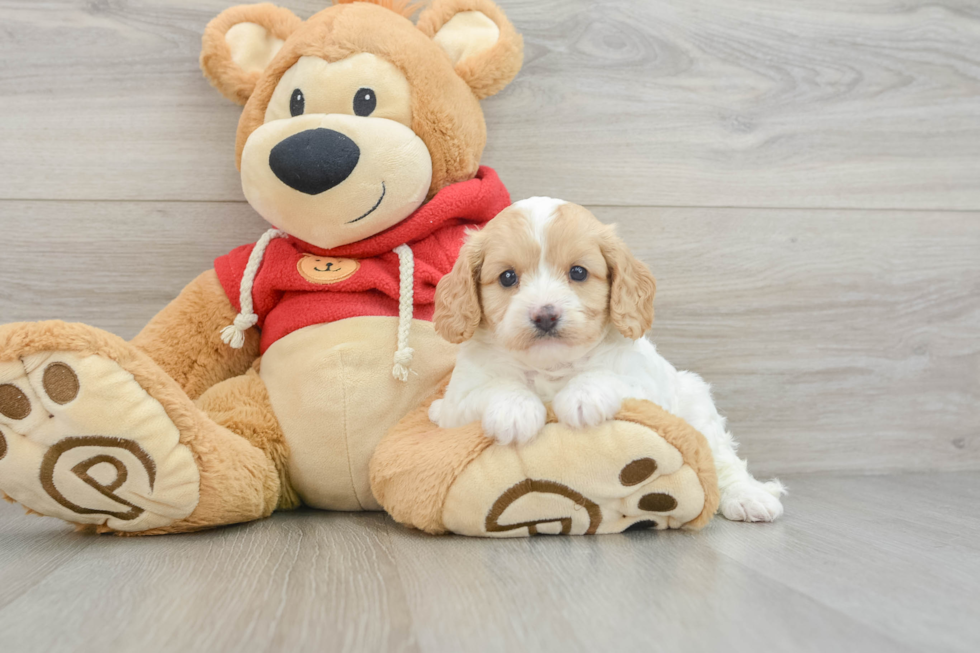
[[803, 179]]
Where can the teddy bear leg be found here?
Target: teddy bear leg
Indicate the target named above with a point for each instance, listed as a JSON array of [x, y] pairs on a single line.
[[184, 339], [645, 469], [93, 432], [241, 405]]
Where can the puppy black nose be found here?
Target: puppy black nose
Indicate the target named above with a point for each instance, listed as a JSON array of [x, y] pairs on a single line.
[[545, 318], [314, 160]]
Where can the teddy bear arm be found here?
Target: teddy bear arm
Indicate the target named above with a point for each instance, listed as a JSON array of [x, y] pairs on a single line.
[[184, 338]]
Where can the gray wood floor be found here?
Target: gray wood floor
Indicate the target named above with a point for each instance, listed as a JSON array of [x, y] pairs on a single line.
[[861, 563], [804, 180]]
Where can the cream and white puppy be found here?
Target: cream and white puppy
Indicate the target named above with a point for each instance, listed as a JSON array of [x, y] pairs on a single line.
[[550, 306]]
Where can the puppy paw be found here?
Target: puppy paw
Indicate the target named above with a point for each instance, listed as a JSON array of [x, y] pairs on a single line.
[[514, 418], [581, 405], [435, 411], [752, 501]]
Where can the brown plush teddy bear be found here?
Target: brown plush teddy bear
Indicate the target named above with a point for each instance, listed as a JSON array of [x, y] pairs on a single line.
[[270, 380], [360, 142]]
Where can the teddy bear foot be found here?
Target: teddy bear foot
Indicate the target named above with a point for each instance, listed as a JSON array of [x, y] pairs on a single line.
[[82, 440], [614, 477], [645, 469]]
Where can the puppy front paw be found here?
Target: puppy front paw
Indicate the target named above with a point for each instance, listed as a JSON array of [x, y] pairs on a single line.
[[581, 405], [435, 411], [514, 418], [752, 501]]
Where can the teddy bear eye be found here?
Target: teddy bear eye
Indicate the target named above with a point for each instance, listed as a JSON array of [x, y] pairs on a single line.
[[508, 278], [364, 102], [297, 103], [578, 273]]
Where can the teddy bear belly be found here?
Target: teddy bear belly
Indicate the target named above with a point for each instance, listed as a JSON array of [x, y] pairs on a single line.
[[334, 395]]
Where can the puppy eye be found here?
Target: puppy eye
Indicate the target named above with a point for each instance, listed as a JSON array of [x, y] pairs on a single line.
[[297, 103], [578, 273], [364, 102], [508, 278]]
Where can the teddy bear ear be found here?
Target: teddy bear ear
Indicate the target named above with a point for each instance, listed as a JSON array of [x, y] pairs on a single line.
[[484, 46], [240, 42]]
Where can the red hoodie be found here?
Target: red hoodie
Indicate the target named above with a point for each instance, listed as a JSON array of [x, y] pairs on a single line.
[[299, 285]]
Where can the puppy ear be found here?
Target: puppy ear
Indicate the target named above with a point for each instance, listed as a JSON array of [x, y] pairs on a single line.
[[632, 290], [483, 45], [457, 312], [240, 42]]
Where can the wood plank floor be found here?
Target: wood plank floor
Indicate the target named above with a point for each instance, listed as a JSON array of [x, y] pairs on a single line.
[[872, 563]]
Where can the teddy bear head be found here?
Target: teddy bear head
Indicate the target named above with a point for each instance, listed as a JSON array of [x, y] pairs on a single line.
[[356, 116]]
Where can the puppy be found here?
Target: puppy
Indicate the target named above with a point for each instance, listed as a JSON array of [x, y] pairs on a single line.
[[550, 306]]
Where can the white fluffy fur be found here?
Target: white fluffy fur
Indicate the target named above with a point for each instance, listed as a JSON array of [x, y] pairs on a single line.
[[586, 385]]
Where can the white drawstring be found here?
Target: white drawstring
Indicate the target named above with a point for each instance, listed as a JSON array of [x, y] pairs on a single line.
[[234, 334], [406, 302]]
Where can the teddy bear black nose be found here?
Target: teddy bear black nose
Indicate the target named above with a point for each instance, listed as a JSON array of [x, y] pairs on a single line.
[[315, 160]]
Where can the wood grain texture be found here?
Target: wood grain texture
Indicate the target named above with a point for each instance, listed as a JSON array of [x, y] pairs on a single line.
[[836, 103], [111, 264], [848, 338], [858, 564], [899, 544], [299, 582], [835, 340]]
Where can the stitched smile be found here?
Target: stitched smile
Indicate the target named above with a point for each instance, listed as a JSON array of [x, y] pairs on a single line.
[[373, 207]]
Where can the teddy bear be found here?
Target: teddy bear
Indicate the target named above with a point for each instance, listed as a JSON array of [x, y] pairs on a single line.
[[273, 378]]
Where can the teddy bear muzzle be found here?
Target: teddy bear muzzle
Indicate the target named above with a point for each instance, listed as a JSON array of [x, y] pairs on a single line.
[[334, 179]]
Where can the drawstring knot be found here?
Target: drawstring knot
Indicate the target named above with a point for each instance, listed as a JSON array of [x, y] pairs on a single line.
[[234, 334]]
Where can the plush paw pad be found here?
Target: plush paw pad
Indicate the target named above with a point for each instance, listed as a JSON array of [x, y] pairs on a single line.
[[81, 440], [606, 479]]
